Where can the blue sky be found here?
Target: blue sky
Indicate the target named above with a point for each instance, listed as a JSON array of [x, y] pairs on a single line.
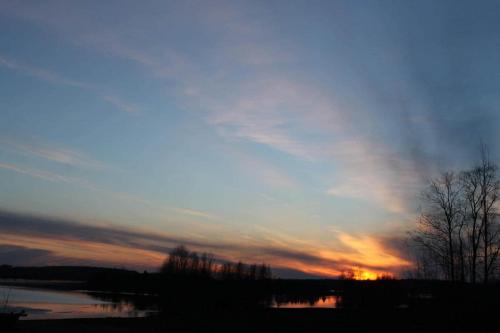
[[260, 130]]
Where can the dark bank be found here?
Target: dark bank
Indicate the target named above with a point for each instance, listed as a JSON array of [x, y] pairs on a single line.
[[197, 303]]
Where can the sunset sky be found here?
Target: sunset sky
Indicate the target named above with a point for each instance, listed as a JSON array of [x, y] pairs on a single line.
[[299, 133]]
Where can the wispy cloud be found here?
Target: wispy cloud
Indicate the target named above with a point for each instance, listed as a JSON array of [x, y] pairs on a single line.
[[263, 170], [40, 73], [194, 212], [272, 111], [299, 121], [122, 105], [53, 153], [122, 196], [373, 172], [55, 78], [53, 177], [75, 181]]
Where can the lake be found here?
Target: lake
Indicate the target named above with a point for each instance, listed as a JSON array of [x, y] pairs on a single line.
[[54, 304]]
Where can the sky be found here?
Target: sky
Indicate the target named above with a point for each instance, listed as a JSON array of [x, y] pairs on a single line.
[[297, 133]]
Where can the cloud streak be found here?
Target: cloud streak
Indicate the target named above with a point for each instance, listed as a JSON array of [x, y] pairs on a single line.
[[45, 175], [51, 77], [111, 244], [88, 185], [122, 105], [40, 73], [374, 173], [62, 155]]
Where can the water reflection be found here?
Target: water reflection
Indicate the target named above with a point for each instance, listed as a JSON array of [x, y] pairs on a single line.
[[53, 304], [314, 302]]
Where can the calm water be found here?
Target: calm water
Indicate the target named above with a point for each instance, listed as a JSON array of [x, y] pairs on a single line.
[[52, 304], [321, 302]]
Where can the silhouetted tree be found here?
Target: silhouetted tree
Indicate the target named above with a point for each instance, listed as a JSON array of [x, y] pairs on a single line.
[[207, 264], [240, 271], [472, 194], [227, 271], [264, 272], [459, 228], [489, 185], [194, 264], [439, 226], [177, 262], [182, 262], [252, 272]]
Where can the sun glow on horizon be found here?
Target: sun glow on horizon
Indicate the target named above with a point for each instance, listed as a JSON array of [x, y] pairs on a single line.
[[366, 275], [361, 274]]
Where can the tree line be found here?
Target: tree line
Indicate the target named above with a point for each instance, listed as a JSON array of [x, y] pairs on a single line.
[[185, 263], [457, 236]]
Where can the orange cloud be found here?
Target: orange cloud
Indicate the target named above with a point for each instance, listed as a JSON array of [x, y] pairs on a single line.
[[69, 242], [93, 252]]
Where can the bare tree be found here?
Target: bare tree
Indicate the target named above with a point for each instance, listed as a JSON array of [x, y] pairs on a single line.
[[472, 195], [207, 264], [226, 271], [264, 272], [252, 272], [489, 187], [184, 263], [194, 264], [459, 229], [462, 243], [177, 262], [441, 223], [240, 270], [426, 266]]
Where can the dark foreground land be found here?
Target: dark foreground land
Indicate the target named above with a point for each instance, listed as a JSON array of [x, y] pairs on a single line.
[[188, 304], [275, 320]]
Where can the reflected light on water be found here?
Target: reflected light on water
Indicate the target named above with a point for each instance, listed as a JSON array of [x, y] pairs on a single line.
[[65, 311], [51, 304]]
